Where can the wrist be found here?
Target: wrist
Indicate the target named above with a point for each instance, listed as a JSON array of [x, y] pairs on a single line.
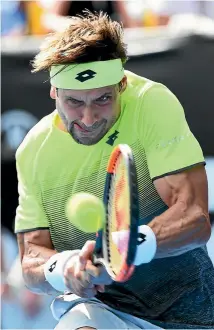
[[147, 245], [54, 269]]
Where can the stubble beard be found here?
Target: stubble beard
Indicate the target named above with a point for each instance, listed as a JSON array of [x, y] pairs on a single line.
[[102, 127], [90, 137]]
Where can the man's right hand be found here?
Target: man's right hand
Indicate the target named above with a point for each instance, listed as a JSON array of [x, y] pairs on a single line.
[[82, 277]]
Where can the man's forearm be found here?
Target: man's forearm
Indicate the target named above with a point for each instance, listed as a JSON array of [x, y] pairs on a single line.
[[33, 270], [180, 229]]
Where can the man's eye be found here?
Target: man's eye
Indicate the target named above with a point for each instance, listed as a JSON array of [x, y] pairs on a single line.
[[74, 102], [104, 99]]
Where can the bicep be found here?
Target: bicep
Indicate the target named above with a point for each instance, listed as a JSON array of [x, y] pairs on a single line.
[[189, 187]]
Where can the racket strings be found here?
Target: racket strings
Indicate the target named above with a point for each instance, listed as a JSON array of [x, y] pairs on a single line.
[[118, 215], [109, 215], [122, 213]]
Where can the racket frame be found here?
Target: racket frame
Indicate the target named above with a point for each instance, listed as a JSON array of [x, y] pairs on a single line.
[[101, 249]]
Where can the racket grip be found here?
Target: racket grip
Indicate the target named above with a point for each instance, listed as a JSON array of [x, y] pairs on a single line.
[[97, 261], [98, 245]]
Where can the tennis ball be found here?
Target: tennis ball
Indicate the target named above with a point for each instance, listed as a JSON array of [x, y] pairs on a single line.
[[86, 212]]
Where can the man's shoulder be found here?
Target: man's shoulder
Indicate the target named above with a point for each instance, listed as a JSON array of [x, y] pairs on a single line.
[[135, 79], [36, 136], [138, 86]]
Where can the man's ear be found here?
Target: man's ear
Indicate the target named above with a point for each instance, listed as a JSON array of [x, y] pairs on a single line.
[[53, 92], [123, 84]]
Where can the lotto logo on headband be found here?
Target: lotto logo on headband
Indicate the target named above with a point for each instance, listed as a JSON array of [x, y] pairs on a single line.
[[85, 75]]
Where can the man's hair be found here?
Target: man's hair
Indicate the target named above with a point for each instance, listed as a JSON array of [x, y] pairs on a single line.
[[88, 38]]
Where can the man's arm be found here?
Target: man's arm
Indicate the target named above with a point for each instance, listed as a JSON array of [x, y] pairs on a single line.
[[185, 225], [35, 248]]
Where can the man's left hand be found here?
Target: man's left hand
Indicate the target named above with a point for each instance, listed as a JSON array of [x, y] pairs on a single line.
[[98, 274]]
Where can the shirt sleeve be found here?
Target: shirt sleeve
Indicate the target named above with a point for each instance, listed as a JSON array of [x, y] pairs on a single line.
[[169, 144], [29, 214]]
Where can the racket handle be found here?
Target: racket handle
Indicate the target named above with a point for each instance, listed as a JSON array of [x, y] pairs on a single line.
[[98, 245], [97, 261]]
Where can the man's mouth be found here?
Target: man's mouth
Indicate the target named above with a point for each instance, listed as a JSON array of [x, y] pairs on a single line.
[[88, 130], [80, 128]]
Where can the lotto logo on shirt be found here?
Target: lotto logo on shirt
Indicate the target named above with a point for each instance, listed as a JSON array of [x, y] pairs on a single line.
[[112, 138]]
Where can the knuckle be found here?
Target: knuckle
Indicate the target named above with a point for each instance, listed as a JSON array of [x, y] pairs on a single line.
[[68, 272], [65, 273], [87, 245]]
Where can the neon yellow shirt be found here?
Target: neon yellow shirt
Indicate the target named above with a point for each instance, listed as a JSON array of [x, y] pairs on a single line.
[[52, 166]]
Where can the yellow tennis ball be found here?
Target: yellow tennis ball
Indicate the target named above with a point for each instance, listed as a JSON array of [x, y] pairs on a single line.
[[86, 212]]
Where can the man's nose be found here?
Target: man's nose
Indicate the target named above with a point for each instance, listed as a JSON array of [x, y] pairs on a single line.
[[88, 117]]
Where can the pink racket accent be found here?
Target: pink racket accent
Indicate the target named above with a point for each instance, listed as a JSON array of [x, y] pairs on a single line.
[[121, 239]]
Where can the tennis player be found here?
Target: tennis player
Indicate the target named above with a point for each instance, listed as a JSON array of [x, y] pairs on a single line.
[[99, 105]]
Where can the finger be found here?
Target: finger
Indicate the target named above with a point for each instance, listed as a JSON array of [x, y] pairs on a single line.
[[68, 271], [103, 278], [72, 273], [92, 269], [84, 284], [85, 279], [77, 269], [100, 288], [86, 253], [82, 275], [78, 286]]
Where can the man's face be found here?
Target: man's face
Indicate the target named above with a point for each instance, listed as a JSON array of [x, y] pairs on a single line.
[[88, 114]]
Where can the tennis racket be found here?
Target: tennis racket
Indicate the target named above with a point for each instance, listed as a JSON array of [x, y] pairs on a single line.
[[116, 243]]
